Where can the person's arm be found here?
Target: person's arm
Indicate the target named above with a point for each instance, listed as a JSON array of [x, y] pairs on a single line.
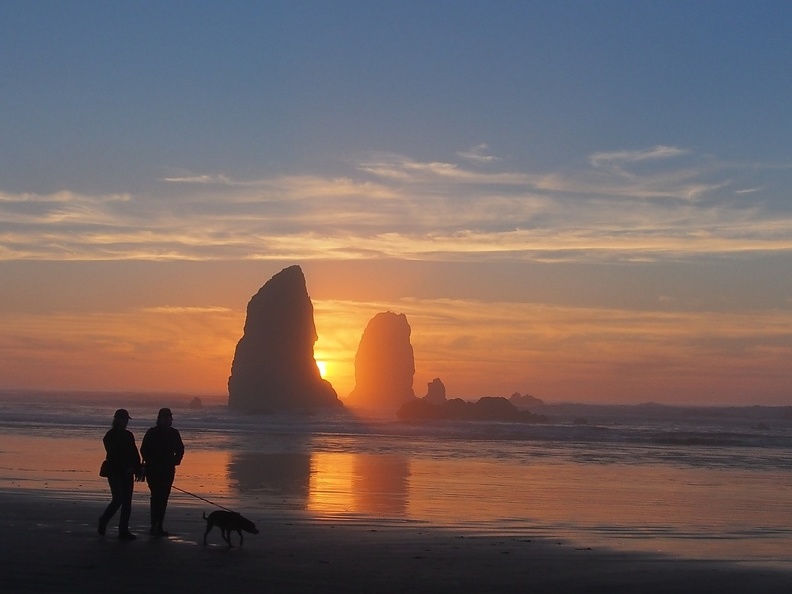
[[114, 452], [145, 447], [130, 456], [108, 445], [179, 449], [138, 463]]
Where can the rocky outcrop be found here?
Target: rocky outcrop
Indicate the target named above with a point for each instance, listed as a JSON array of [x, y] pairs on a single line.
[[435, 392], [384, 364], [525, 402], [456, 409], [274, 369]]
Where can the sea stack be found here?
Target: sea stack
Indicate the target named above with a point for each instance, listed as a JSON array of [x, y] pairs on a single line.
[[384, 364], [435, 392], [274, 369]]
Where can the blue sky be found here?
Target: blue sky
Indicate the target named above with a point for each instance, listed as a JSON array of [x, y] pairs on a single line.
[[632, 157], [99, 95]]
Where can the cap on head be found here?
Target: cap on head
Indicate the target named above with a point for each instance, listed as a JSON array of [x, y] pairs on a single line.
[[164, 412], [121, 414]]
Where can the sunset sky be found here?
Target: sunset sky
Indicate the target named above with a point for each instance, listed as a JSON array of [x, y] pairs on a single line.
[[584, 201]]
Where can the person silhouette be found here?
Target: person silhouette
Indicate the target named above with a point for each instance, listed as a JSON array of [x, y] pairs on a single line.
[[122, 463], [162, 451]]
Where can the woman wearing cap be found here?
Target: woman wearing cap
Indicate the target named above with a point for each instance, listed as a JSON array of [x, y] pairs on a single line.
[[162, 450], [123, 466]]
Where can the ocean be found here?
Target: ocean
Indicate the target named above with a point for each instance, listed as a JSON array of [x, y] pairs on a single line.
[[697, 483]]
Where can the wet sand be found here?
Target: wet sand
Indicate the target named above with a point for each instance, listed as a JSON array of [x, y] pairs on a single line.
[[50, 544]]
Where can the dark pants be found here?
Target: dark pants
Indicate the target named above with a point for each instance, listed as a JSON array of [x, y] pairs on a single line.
[[159, 482], [121, 488]]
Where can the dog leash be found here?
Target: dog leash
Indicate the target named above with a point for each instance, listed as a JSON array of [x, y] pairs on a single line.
[[202, 498]]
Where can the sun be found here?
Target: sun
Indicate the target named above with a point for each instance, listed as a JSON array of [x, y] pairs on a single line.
[[322, 365]]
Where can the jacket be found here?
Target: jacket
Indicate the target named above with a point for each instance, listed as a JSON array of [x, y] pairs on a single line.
[[162, 448], [122, 453]]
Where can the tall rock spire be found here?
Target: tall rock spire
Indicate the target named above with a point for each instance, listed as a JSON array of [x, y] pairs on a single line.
[[384, 364], [274, 367]]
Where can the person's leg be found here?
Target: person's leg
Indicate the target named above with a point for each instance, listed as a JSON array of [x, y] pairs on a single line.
[[157, 508], [166, 489], [127, 489], [116, 492], [153, 484], [159, 496], [160, 488]]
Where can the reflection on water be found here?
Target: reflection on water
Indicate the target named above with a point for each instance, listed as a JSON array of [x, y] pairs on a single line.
[[380, 484], [324, 483], [368, 484], [285, 474]]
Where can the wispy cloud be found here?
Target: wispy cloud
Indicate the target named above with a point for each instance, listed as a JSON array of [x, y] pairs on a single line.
[[394, 206], [478, 154], [167, 309], [404, 169], [619, 158], [217, 179]]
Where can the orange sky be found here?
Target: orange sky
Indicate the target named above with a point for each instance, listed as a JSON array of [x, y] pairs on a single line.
[[144, 328]]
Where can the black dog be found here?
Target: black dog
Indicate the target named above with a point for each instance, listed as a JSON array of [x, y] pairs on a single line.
[[229, 522]]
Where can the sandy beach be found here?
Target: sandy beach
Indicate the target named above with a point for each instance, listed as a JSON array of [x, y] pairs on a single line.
[[50, 544]]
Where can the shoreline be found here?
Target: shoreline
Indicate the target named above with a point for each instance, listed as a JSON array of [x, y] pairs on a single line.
[[51, 545]]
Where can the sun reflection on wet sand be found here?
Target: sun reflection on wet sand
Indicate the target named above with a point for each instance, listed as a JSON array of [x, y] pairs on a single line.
[[376, 485]]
